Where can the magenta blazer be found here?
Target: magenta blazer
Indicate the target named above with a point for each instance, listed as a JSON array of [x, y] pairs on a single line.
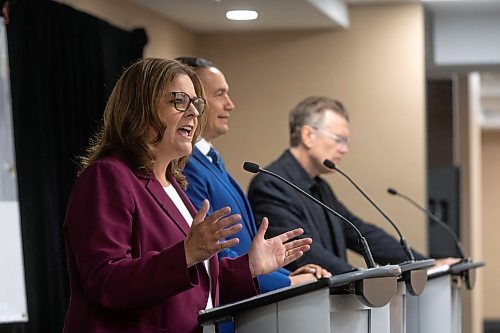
[[127, 266]]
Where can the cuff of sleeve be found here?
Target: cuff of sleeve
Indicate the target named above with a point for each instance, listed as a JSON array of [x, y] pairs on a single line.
[[236, 280], [187, 277]]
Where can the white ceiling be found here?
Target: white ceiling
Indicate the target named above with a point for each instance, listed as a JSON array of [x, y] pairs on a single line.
[[206, 16]]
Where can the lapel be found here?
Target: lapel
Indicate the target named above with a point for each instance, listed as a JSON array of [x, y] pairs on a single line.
[[231, 187], [154, 187], [182, 194], [324, 221], [156, 190], [241, 198], [214, 274], [336, 222]]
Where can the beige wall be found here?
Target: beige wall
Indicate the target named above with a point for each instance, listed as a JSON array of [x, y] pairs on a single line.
[[165, 39], [491, 225], [376, 68]]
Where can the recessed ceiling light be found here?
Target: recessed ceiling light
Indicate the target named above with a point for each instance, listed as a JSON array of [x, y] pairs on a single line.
[[242, 15]]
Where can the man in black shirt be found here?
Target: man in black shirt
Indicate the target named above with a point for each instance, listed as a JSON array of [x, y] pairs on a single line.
[[319, 130]]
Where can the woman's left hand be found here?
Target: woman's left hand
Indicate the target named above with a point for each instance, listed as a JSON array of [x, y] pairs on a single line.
[[267, 255]]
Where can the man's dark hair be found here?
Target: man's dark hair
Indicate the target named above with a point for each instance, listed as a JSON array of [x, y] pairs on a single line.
[[196, 62]]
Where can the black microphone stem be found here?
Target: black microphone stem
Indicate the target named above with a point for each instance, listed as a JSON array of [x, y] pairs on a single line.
[[435, 219], [370, 263], [404, 244]]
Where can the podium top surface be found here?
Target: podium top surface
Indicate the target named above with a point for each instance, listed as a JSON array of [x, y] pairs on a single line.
[[274, 296], [463, 266], [414, 265], [455, 269]]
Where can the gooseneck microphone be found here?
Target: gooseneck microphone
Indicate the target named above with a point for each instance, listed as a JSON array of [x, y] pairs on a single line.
[[435, 219], [367, 255], [404, 244]]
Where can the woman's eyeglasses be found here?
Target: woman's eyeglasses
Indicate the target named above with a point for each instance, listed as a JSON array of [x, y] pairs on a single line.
[[182, 101]]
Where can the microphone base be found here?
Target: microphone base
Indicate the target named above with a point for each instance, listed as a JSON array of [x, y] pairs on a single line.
[[414, 274]]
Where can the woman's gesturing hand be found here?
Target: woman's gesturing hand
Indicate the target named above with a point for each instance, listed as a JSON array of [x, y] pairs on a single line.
[[207, 234], [267, 255]]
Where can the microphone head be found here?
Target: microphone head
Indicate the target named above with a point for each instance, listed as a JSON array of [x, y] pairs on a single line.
[[392, 191], [329, 164], [251, 167]]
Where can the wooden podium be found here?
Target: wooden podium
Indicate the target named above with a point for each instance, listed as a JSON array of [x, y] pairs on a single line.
[[438, 309], [353, 302]]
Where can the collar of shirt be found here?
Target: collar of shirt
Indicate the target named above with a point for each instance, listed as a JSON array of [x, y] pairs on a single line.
[[298, 174], [204, 147]]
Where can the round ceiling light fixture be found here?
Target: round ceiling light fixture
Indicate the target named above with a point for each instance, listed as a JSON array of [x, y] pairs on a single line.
[[242, 15]]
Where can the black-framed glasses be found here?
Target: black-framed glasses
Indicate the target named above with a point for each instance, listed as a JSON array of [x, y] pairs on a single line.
[[339, 139], [182, 101]]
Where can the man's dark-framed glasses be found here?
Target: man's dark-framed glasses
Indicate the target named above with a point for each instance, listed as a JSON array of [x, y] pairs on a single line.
[[181, 102]]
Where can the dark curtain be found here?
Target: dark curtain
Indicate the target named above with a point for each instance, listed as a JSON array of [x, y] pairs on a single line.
[[63, 65]]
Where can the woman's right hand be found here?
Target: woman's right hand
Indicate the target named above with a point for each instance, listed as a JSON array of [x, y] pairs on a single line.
[[207, 234]]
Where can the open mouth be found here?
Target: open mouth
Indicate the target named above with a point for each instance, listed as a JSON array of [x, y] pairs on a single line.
[[185, 131]]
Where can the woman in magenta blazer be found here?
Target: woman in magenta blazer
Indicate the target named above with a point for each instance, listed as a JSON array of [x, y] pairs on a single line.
[[140, 258]]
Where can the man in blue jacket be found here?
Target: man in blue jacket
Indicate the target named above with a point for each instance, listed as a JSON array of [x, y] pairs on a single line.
[[208, 178]]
